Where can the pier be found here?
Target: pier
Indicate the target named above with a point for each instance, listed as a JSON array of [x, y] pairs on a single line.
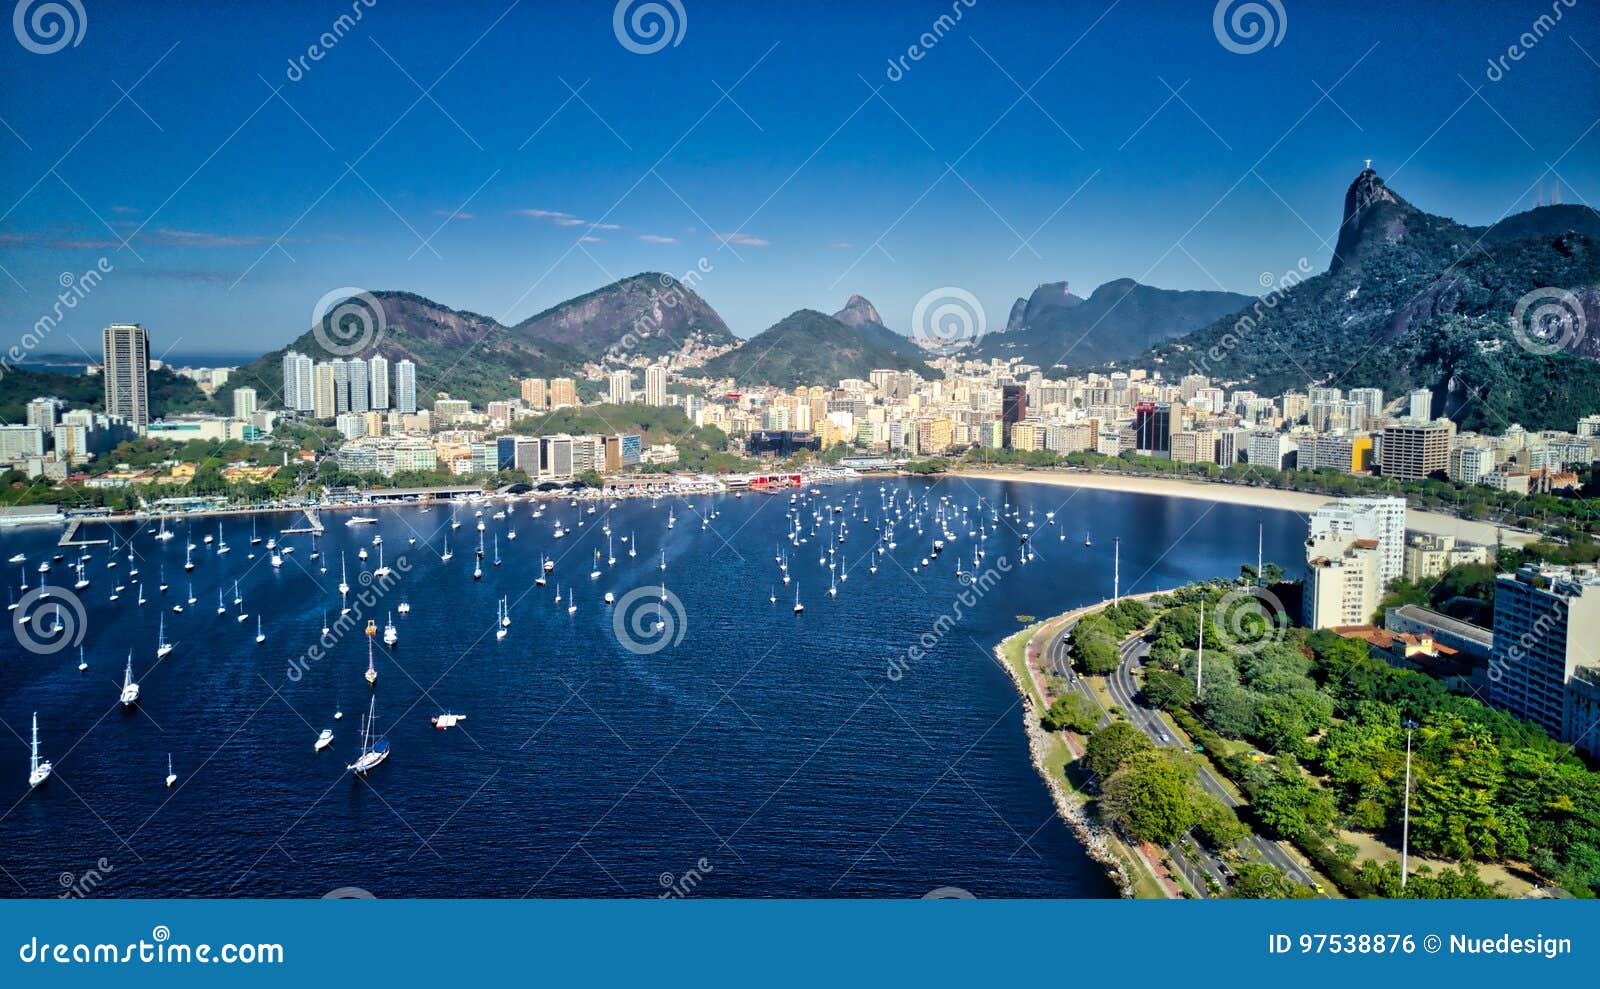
[[313, 525], [69, 536]]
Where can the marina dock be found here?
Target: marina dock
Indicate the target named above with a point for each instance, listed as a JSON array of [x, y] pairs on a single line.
[[313, 525], [69, 536]]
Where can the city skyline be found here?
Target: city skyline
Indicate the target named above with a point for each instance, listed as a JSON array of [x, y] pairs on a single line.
[[1207, 171]]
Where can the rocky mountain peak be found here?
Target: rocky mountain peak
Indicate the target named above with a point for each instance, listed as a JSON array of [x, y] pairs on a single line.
[[858, 311]]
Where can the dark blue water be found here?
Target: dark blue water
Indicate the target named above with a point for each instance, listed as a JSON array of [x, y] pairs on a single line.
[[762, 755]]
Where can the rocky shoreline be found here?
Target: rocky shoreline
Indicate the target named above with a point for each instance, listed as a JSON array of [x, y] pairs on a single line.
[[1094, 837]]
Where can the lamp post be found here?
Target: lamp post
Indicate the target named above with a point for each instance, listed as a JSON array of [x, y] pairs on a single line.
[[1405, 828]]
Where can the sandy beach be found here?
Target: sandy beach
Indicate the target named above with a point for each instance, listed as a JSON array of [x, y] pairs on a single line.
[[1300, 502]]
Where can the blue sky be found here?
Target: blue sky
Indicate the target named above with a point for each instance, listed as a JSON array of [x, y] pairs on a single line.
[[1034, 142]]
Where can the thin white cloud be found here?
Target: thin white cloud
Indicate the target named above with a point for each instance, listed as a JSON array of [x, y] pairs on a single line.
[[588, 240], [840, 245], [743, 240], [453, 214], [657, 239]]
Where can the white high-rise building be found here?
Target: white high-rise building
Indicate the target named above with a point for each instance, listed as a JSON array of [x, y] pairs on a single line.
[[341, 385], [405, 387], [1546, 661], [1343, 586], [297, 386], [126, 373], [244, 403], [1420, 405], [655, 385], [378, 372], [1379, 519], [620, 387], [360, 386], [1372, 398]]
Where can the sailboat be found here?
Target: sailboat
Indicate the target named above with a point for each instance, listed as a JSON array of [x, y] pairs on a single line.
[[611, 555], [480, 545], [372, 671], [798, 607], [372, 753], [172, 777], [162, 587], [324, 740], [633, 547], [162, 645], [390, 634], [382, 571], [663, 560], [255, 540], [595, 573], [130, 689], [325, 629], [38, 769], [83, 664], [344, 588], [222, 609], [82, 581], [446, 556], [477, 569], [497, 549], [505, 613], [501, 621], [260, 636], [1087, 541], [222, 544], [188, 558], [772, 595]]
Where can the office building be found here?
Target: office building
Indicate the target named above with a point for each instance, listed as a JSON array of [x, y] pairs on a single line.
[[126, 373], [1153, 426], [1013, 409], [1412, 451]]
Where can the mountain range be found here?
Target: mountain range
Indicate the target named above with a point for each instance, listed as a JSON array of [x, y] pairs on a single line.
[[1409, 300], [1118, 320], [1414, 300]]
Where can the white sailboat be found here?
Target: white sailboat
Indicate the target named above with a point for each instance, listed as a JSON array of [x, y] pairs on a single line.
[[372, 671], [83, 664], [162, 645], [172, 777], [382, 571], [260, 636], [344, 588], [798, 607], [391, 635], [38, 769], [188, 558], [446, 556], [372, 753], [130, 689], [324, 740]]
